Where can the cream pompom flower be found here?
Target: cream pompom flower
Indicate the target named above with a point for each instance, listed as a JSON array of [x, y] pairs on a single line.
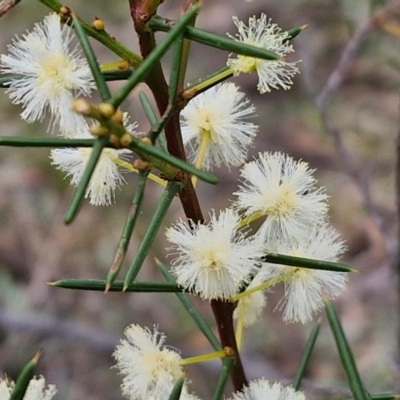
[[106, 177], [283, 191], [53, 74], [251, 303], [36, 389], [150, 369], [214, 127], [261, 389], [304, 287], [264, 34], [215, 259]]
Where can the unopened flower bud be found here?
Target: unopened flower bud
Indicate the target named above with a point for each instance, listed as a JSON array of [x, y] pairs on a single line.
[[98, 24], [147, 141], [107, 109], [99, 130]]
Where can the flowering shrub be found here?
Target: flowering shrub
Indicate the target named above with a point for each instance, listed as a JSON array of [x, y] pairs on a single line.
[[275, 233]]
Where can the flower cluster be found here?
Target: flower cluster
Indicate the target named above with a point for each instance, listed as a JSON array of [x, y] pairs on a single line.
[[52, 75], [283, 192], [216, 260]]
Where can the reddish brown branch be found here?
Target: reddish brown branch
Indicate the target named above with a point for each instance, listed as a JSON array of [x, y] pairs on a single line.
[[155, 80]]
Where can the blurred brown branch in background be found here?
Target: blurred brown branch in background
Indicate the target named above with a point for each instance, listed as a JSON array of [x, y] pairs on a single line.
[[321, 101], [7, 5]]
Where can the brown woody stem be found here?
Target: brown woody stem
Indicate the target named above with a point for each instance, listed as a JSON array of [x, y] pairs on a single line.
[[223, 311]]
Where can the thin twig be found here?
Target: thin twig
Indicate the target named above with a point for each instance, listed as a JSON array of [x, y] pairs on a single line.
[[321, 102]]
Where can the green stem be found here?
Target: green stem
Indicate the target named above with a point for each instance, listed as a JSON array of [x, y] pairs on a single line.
[[227, 365], [128, 228], [169, 193]]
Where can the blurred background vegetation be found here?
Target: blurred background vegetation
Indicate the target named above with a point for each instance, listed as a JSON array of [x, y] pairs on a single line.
[[350, 140]]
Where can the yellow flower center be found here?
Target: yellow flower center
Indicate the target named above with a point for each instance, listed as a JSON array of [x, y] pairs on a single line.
[[56, 69], [246, 64], [205, 115], [285, 202]]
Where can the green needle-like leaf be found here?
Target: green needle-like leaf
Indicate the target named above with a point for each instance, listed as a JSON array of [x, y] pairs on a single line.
[[141, 148], [166, 199], [114, 75], [306, 356], [24, 377], [177, 389], [155, 133], [210, 39], [117, 286], [128, 228], [346, 355], [151, 153], [44, 142], [220, 76], [292, 33], [92, 60], [147, 108], [153, 57], [101, 36], [118, 75], [80, 191], [227, 365], [175, 69], [190, 308], [306, 263]]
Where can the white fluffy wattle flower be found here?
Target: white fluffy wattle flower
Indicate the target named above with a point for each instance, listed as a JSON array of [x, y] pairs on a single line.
[[218, 116], [261, 389], [53, 74], [304, 287], [214, 259], [150, 369], [36, 389], [282, 190], [264, 34], [249, 308], [106, 177]]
